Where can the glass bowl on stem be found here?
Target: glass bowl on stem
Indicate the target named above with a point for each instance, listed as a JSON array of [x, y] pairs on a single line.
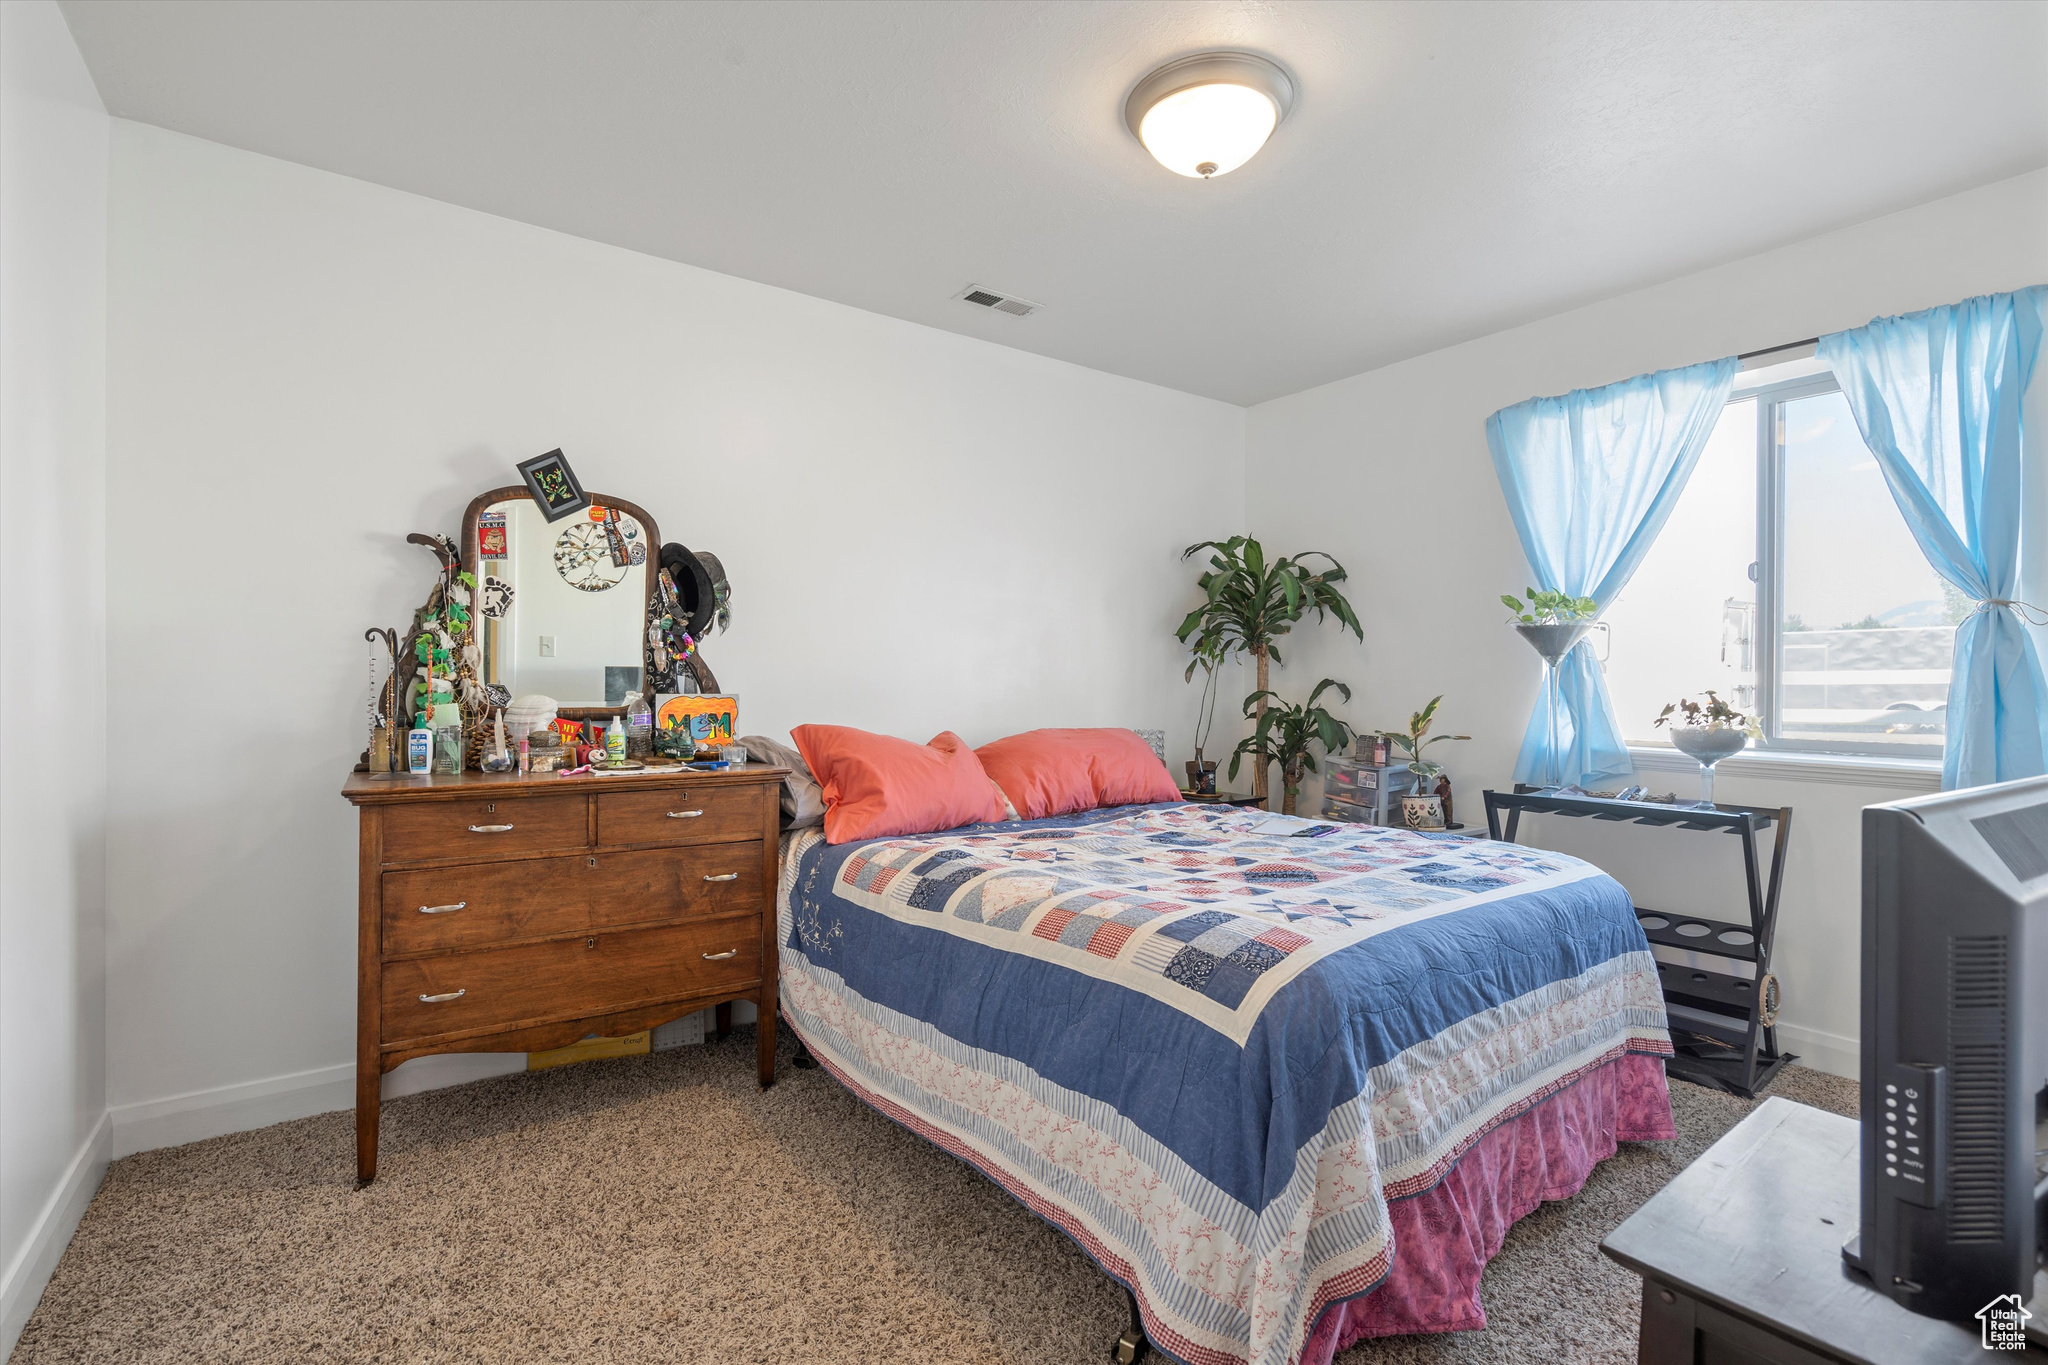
[[1552, 640]]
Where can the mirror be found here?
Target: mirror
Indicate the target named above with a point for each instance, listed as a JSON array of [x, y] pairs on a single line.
[[562, 604]]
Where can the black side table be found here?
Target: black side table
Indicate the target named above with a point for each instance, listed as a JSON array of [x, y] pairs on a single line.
[[1223, 798], [1741, 1259], [1733, 1017]]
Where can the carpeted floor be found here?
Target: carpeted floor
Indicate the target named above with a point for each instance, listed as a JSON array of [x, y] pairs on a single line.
[[660, 1208]]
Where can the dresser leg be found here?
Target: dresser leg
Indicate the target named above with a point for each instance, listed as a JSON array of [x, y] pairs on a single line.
[[766, 1035], [369, 1108], [369, 992]]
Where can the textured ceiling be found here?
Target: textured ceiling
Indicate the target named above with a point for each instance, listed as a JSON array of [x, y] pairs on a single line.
[[1449, 169]]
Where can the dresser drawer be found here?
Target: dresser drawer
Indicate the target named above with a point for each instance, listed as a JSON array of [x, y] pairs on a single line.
[[538, 983], [478, 904], [706, 814], [693, 882], [484, 827], [484, 903]]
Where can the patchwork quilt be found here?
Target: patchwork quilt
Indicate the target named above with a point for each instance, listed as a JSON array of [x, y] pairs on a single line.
[[1210, 1045]]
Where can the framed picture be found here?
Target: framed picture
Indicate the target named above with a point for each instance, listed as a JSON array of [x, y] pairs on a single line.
[[553, 485], [709, 719], [490, 536]]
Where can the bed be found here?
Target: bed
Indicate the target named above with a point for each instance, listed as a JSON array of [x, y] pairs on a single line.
[[1288, 1083]]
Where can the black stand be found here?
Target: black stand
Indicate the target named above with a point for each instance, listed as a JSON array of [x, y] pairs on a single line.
[[1727, 1038]]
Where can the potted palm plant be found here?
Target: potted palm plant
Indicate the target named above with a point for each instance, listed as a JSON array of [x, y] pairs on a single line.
[[1250, 603], [1284, 734], [1422, 808]]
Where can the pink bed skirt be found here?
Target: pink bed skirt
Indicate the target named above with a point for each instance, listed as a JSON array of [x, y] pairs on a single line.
[[1444, 1236]]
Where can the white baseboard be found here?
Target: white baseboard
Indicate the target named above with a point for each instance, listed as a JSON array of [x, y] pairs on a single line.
[[196, 1115], [448, 1068], [21, 1285], [1823, 1051], [199, 1114]]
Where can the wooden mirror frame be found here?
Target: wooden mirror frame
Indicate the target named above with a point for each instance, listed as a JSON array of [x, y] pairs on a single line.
[[519, 492]]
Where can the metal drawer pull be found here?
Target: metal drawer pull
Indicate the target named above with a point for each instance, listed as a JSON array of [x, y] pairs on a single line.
[[684, 814], [438, 999], [720, 957], [724, 877], [489, 829], [441, 909]]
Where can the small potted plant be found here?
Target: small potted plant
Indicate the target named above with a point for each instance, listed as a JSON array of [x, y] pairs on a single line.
[[1284, 733], [1707, 730], [1201, 769], [1552, 622], [1421, 808]]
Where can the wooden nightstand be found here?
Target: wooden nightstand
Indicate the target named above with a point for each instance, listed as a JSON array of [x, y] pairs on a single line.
[[517, 914]]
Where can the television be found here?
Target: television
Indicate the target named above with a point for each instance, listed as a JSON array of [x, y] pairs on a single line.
[[1955, 1049]]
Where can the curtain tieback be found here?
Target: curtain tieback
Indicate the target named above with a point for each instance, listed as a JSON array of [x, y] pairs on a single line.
[[2027, 610]]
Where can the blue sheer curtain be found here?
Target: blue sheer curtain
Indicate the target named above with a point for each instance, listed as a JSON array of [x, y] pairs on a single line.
[[1590, 479], [1937, 396]]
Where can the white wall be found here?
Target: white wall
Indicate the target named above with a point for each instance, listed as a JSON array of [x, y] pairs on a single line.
[[923, 531], [1389, 471], [53, 693]]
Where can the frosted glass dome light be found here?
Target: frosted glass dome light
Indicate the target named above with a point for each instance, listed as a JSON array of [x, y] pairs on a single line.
[[1206, 115]]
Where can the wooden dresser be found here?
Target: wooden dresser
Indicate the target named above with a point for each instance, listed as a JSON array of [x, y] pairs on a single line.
[[510, 914]]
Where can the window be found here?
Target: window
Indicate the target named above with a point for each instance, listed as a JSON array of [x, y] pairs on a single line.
[[1786, 581]]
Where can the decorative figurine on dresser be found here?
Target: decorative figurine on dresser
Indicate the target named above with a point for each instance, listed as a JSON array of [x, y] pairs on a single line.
[[538, 870]]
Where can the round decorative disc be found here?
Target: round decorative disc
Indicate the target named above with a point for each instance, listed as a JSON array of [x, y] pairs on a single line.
[[583, 557]]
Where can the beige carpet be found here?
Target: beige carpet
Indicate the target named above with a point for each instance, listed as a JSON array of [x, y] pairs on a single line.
[[662, 1209]]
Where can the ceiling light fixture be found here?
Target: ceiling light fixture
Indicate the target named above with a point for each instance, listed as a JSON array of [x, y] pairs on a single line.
[[1208, 114]]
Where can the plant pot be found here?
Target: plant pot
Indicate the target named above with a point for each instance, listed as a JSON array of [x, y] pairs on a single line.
[[1706, 746], [1555, 639], [1422, 810]]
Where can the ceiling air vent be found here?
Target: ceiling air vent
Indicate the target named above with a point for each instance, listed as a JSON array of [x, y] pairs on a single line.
[[1002, 303]]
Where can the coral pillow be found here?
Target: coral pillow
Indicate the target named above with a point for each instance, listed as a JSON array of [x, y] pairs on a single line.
[[875, 785], [1053, 772]]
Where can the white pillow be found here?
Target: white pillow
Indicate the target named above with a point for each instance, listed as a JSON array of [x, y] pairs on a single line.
[[803, 800]]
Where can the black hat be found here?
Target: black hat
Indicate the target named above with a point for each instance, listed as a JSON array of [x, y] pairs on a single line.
[[693, 584]]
